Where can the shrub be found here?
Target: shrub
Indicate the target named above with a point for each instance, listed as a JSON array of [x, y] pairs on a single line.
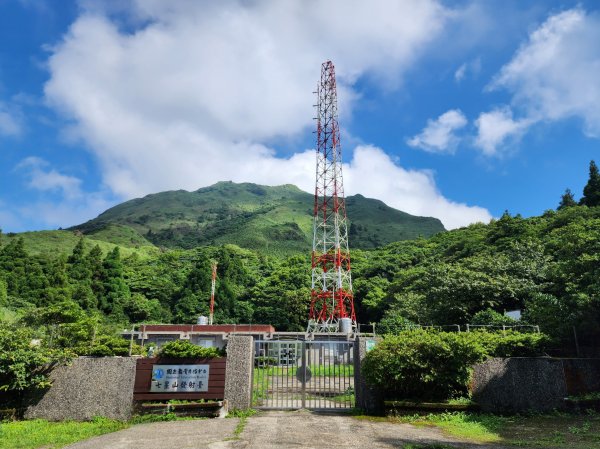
[[511, 343], [186, 350], [430, 365], [493, 318], [109, 345], [24, 362]]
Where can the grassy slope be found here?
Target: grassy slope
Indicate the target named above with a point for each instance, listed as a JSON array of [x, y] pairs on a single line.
[[275, 219], [63, 242]]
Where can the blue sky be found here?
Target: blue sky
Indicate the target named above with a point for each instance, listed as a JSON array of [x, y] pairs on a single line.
[[456, 109]]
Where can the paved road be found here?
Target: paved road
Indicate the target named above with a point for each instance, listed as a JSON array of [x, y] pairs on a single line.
[[270, 430]]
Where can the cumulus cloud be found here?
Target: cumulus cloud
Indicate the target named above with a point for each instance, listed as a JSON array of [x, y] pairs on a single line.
[[438, 136], [496, 129], [194, 91], [554, 75], [413, 191]]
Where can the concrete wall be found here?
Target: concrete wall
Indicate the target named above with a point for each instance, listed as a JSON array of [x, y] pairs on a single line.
[[240, 366], [88, 387], [366, 398], [515, 385], [581, 375]]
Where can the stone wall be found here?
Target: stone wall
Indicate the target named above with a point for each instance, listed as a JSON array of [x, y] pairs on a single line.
[[238, 379], [88, 387], [515, 385]]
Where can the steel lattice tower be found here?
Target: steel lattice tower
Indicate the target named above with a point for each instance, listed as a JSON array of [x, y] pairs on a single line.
[[331, 296]]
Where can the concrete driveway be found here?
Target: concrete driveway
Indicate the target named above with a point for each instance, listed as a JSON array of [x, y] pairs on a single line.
[[270, 430]]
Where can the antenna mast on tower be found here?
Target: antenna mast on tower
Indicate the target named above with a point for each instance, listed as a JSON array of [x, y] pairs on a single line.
[[212, 292], [332, 301]]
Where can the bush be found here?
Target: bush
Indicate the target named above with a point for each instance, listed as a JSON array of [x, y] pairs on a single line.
[[511, 343], [185, 350], [24, 362], [430, 365], [109, 345], [492, 318]]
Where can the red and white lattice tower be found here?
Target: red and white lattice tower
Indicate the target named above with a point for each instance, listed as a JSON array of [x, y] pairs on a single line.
[[212, 292], [332, 303]]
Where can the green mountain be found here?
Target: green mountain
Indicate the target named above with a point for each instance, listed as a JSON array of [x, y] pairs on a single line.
[[272, 219]]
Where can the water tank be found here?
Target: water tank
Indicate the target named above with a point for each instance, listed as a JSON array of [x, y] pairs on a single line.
[[202, 320], [345, 325]]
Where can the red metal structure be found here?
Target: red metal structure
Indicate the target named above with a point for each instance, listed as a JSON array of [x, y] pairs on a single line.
[[332, 303], [212, 292]]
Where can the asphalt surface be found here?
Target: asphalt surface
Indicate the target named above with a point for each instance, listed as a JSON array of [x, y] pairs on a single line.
[[270, 430]]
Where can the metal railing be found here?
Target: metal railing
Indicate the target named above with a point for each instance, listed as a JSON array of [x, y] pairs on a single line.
[[294, 374]]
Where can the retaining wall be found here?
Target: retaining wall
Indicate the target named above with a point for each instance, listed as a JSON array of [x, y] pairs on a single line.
[[88, 387], [581, 375], [512, 385], [519, 384]]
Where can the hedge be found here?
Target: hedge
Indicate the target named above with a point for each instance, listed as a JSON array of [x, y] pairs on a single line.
[[430, 365], [186, 350]]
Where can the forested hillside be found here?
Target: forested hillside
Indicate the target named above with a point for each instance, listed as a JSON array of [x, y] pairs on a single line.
[[547, 266], [272, 220]]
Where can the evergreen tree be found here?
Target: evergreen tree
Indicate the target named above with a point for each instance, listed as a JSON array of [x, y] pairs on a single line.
[[193, 298], [96, 268], [591, 191], [567, 200], [78, 267], [116, 291]]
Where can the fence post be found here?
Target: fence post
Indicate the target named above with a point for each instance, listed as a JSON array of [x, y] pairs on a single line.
[[366, 397], [238, 372]]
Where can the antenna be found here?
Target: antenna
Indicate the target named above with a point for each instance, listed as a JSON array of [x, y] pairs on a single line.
[[212, 292], [332, 300]]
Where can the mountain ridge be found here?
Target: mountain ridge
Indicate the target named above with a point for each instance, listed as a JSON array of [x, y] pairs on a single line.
[[275, 218]]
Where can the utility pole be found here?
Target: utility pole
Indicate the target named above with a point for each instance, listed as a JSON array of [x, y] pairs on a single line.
[[332, 301]]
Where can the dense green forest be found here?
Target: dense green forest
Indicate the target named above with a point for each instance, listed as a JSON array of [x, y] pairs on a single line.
[[547, 266]]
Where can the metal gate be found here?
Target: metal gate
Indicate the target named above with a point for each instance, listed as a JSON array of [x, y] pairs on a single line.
[[293, 374]]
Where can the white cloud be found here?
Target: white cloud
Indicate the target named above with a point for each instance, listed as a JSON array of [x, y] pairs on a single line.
[[473, 67], [496, 129], [10, 124], [66, 212], [191, 97], [60, 200], [460, 73], [413, 191], [555, 74], [438, 136], [49, 180]]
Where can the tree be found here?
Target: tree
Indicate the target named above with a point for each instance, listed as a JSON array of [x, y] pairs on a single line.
[[567, 200], [591, 191], [78, 267], [3, 293], [116, 291]]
